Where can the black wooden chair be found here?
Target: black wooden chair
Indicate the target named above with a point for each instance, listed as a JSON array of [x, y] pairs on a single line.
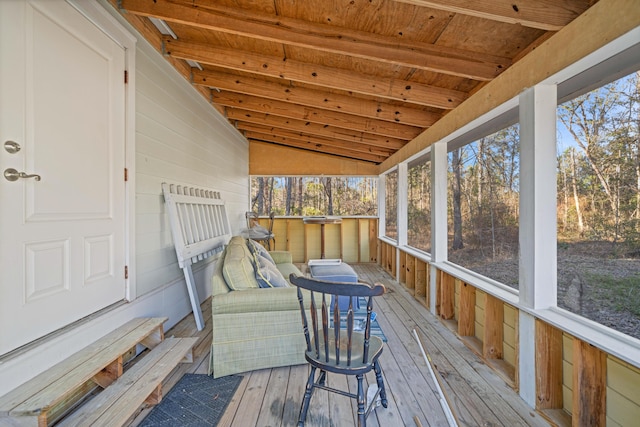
[[259, 233], [350, 350]]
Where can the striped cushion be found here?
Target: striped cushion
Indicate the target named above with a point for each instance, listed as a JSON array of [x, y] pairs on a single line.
[[238, 268]]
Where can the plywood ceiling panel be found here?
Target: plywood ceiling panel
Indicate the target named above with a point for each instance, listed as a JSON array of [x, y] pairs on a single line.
[[350, 78]]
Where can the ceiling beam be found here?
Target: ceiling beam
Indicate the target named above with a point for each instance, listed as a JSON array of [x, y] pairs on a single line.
[[327, 38], [314, 98], [315, 115], [278, 67], [320, 147], [252, 130], [314, 129], [541, 14]]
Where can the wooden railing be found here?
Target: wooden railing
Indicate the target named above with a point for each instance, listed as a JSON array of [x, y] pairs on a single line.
[[576, 382]]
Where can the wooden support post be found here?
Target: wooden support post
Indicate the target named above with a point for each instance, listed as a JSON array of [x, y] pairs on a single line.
[[155, 397], [467, 311], [306, 243], [359, 239], [155, 338], [403, 268], [373, 240], [287, 239], [447, 296], [425, 276], [493, 328], [411, 273], [548, 355], [589, 385], [109, 373]]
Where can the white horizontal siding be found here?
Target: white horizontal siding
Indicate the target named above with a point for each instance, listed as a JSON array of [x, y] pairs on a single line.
[[180, 139]]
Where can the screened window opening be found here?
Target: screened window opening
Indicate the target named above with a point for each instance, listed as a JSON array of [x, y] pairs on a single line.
[[391, 205], [483, 206], [419, 204], [598, 207], [313, 196]]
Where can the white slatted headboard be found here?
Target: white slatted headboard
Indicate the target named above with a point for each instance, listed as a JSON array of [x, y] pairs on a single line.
[[200, 228]]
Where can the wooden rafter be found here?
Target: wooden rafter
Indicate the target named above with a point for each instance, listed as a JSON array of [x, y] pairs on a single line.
[[315, 129], [354, 79], [547, 15], [314, 98], [357, 149], [278, 67], [325, 38], [315, 115]]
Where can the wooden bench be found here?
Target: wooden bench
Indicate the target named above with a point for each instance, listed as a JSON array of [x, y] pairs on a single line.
[[43, 399]]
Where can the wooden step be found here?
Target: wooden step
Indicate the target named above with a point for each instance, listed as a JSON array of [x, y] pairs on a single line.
[[35, 402], [142, 383]]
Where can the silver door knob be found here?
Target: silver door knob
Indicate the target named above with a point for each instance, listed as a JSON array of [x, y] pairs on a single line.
[[13, 175]]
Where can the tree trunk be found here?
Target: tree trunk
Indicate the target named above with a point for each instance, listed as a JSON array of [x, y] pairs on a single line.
[[329, 193], [565, 192], [457, 209], [576, 199], [259, 203], [269, 206], [288, 202]]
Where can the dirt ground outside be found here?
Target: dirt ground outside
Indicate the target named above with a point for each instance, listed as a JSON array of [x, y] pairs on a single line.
[[591, 282]]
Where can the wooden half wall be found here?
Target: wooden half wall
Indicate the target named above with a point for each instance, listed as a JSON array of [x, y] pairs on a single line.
[[577, 384], [354, 240]]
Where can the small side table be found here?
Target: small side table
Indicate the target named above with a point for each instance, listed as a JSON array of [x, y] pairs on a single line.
[[322, 220]]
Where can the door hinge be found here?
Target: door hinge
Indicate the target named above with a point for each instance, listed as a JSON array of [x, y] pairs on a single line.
[[126, 174], [126, 76], [126, 271]]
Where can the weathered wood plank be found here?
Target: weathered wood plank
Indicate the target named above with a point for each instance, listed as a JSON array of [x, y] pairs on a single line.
[[447, 296], [493, 328], [466, 318], [548, 366], [589, 385], [273, 403]]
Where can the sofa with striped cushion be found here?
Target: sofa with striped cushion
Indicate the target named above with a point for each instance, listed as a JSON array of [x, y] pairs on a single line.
[[255, 317]]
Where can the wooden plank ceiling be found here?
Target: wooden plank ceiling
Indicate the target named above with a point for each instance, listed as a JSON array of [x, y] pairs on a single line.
[[351, 78]]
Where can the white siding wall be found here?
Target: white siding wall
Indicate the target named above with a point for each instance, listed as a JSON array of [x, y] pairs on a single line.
[[179, 139]]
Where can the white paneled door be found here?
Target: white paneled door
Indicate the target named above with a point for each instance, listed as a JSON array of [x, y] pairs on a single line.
[[62, 118]]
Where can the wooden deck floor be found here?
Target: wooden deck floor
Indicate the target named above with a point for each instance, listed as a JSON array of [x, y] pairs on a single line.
[[478, 396]]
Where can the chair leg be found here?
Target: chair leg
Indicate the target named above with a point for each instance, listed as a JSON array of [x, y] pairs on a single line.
[[362, 420], [307, 398], [322, 378], [380, 381]]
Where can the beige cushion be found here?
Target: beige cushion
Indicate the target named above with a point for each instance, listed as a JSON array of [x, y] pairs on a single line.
[[238, 268]]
